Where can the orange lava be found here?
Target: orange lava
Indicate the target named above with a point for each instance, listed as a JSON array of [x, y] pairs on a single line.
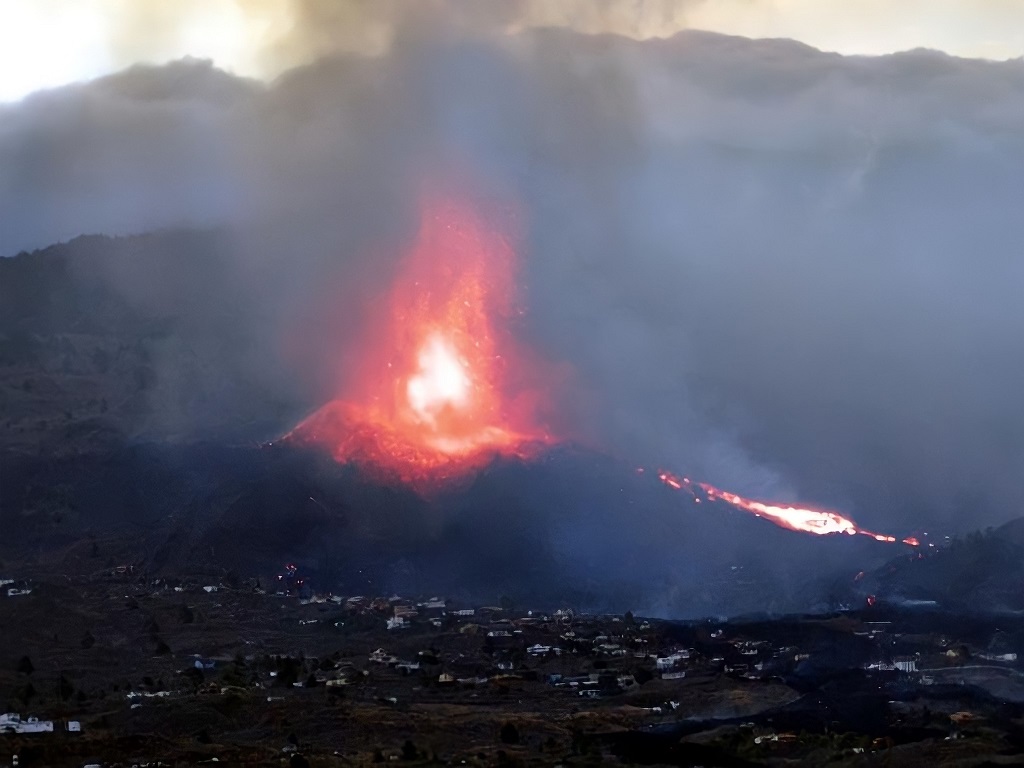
[[803, 519], [443, 387]]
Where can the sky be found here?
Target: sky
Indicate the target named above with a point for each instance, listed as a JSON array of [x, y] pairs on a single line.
[[47, 43], [792, 273]]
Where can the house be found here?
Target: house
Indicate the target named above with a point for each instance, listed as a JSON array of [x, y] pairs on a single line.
[[201, 663], [73, 726], [347, 674], [464, 612], [380, 656], [998, 656], [11, 722], [677, 675], [397, 622], [15, 592], [671, 661], [899, 664], [35, 725]]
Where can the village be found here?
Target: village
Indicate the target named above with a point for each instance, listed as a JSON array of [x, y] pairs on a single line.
[[230, 667]]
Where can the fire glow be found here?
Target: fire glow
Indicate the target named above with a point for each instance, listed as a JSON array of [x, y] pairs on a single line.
[[435, 396], [802, 519]]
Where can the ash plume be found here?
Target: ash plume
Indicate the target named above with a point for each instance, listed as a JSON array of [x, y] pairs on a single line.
[[784, 271]]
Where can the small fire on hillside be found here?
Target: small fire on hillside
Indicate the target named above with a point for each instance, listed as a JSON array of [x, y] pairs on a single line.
[[444, 388]]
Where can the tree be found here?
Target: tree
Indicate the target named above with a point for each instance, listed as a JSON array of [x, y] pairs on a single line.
[[64, 688], [25, 693], [509, 733], [409, 751]]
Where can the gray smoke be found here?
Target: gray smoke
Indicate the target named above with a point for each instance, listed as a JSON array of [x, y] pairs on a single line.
[[782, 271]]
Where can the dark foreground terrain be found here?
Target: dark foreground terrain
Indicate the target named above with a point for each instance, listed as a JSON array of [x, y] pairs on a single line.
[[189, 670]]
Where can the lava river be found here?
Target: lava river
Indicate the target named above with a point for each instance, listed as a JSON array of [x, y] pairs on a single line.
[[802, 519]]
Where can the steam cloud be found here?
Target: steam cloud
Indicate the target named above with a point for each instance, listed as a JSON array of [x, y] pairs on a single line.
[[776, 269]]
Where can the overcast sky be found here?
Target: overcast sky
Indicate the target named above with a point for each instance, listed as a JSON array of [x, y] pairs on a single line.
[[793, 274], [45, 43]]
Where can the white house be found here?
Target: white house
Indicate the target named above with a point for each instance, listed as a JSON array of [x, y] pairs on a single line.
[[12, 723], [669, 662]]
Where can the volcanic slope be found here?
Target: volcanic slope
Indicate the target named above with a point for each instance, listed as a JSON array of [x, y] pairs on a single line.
[[979, 571], [571, 527], [105, 339]]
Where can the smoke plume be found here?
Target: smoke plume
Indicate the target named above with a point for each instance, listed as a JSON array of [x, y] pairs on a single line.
[[780, 270]]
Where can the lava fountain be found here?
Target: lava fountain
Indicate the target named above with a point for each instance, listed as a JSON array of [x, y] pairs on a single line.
[[443, 386]]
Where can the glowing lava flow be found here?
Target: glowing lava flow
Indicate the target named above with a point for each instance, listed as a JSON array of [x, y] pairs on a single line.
[[434, 397], [801, 519]]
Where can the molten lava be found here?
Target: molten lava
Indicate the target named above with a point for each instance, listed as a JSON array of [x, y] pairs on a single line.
[[440, 391], [802, 519]]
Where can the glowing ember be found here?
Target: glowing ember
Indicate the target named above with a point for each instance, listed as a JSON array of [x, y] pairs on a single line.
[[806, 520], [434, 398]]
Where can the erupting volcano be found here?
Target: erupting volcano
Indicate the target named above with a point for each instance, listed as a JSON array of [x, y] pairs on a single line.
[[443, 387], [803, 519]]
